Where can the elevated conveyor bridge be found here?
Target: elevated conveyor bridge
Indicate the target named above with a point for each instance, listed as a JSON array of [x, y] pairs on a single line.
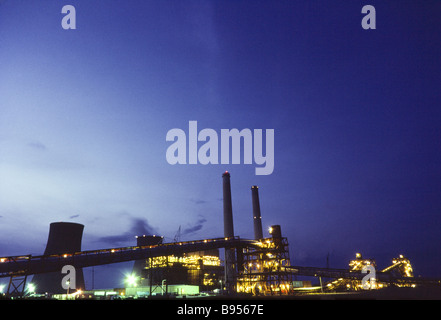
[[25, 265]]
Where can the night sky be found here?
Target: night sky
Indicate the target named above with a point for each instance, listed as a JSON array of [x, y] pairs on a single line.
[[356, 113]]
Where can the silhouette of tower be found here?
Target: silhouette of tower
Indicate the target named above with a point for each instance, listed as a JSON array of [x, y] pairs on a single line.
[[64, 238]]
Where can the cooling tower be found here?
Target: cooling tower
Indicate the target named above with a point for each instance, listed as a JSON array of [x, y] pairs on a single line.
[[230, 273], [258, 233], [64, 238]]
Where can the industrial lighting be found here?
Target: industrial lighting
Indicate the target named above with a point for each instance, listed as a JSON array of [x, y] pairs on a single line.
[[131, 280], [270, 230], [31, 288]]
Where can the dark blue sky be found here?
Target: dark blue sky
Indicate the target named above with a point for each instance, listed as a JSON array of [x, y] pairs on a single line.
[[84, 114]]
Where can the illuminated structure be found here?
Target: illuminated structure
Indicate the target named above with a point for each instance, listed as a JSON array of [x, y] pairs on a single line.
[[139, 265], [402, 266], [392, 275], [259, 266], [258, 269], [201, 268], [263, 270]]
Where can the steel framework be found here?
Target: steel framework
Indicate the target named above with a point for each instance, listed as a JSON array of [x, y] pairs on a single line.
[[263, 270]]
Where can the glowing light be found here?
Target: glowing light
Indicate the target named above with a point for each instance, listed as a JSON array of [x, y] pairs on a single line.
[[131, 280], [31, 288]]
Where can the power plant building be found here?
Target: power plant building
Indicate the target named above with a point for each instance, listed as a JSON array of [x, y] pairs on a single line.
[[257, 269], [255, 266], [260, 266], [200, 268]]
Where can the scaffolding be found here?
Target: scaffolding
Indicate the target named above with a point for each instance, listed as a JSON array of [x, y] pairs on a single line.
[[262, 268]]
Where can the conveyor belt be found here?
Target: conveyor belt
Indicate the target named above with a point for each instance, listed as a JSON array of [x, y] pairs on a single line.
[[28, 264]]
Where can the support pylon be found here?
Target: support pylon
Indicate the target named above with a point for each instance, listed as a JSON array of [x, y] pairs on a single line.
[[17, 286]]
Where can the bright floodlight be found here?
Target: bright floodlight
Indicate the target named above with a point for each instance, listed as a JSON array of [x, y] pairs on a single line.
[[31, 288], [131, 280]]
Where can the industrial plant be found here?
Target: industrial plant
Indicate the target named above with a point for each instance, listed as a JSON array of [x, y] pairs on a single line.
[[218, 267]]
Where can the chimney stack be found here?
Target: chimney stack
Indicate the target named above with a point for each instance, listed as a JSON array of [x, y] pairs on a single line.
[[228, 208], [230, 263], [258, 233]]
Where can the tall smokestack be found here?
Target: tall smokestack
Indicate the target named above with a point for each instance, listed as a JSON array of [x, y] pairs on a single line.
[[258, 233], [228, 207], [230, 267]]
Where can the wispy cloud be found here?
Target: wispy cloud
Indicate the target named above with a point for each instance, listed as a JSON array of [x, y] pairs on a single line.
[[139, 226], [37, 145], [196, 227], [198, 201]]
